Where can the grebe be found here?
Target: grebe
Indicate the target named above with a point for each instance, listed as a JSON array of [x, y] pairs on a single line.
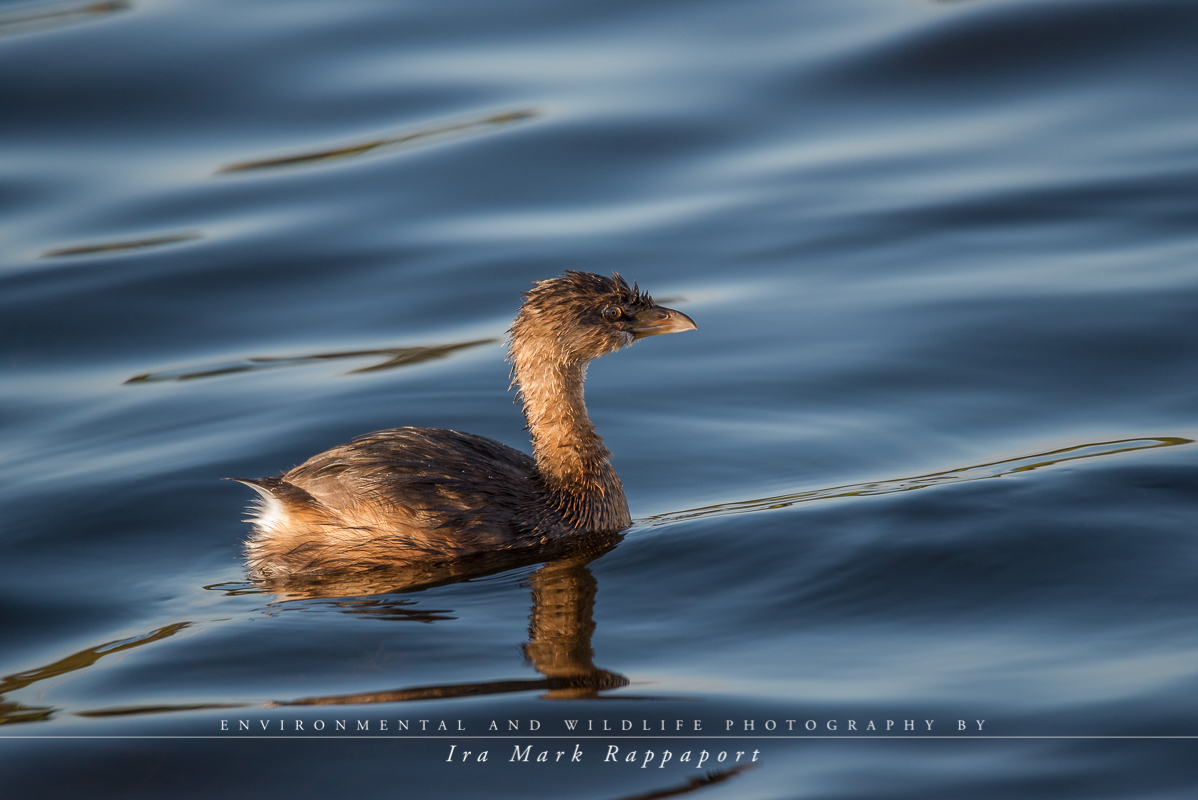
[[416, 495]]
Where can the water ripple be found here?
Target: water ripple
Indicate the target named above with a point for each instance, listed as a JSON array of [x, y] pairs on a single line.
[[128, 244], [409, 139], [24, 21], [977, 472], [391, 357]]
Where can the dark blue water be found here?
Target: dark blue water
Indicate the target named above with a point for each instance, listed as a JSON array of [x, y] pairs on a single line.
[[928, 456]]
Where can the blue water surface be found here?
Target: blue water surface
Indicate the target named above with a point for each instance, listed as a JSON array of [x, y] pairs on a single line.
[[927, 458]]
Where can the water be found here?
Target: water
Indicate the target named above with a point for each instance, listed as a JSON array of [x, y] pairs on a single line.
[[928, 456]]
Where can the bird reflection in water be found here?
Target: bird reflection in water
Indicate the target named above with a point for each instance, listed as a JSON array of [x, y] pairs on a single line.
[[561, 620]]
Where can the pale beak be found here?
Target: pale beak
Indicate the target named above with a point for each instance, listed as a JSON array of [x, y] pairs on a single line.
[[657, 320]]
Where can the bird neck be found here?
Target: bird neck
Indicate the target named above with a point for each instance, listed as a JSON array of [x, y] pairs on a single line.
[[571, 457]]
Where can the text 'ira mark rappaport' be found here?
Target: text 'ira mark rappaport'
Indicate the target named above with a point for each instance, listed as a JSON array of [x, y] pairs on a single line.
[[643, 758]]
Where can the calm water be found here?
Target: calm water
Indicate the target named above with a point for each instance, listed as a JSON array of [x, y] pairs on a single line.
[[928, 456]]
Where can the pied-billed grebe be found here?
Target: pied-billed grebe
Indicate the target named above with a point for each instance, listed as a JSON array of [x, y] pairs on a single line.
[[413, 495]]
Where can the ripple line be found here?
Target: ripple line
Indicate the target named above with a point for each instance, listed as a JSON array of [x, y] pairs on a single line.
[[391, 357], [990, 469], [404, 140]]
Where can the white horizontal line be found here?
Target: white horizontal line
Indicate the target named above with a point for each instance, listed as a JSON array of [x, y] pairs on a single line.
[[305, 735]]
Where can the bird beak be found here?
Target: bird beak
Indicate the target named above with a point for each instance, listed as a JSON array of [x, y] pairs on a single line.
[[658, 320]]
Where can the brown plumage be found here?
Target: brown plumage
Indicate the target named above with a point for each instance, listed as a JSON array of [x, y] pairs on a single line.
[[416, 495]]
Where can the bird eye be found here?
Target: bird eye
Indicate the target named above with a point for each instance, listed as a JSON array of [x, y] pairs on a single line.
[[612, 313]]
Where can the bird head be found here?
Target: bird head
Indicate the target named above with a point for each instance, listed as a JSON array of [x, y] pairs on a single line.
[[580, 316]]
